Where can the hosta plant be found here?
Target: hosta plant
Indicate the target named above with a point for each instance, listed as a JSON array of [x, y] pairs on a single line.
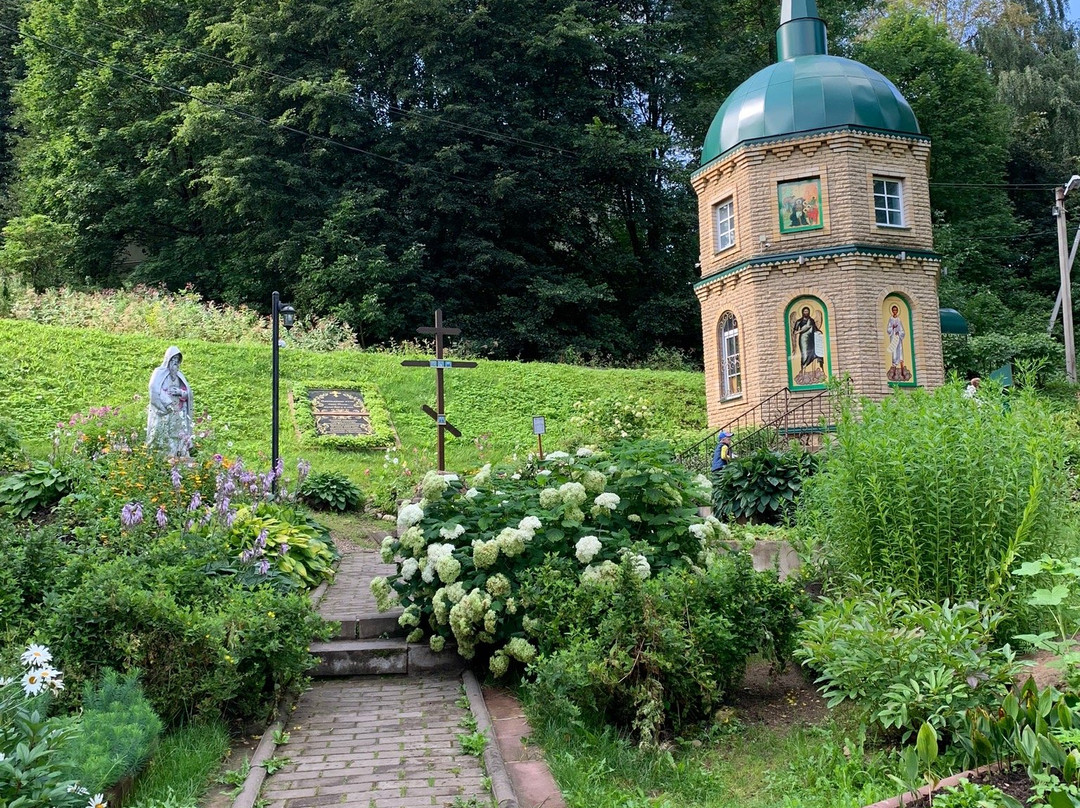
[[278, 537], [40, 485], [330, 490], [762, 486], [462, 550]]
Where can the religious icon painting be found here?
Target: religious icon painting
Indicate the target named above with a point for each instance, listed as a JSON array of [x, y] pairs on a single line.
[[809, 363], [896, 328], [800, 205]]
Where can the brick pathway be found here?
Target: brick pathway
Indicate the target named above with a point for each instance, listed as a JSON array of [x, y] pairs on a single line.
[[350, 592], [376, 741]]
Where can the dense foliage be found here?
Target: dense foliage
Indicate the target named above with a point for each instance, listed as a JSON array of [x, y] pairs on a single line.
[[905, 662], [658, 654], [762, 486], [940, 495], [183, 570]]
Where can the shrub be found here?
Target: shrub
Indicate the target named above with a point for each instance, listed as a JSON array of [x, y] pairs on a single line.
[[610, 419], [330, 490], [654, 653], [204, 644], [116, 733], [938, 494], [461, 551], [904, 662], [762, 486], [39, 486]]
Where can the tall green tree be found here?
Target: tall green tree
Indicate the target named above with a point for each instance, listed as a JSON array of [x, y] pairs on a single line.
[[10, 15]]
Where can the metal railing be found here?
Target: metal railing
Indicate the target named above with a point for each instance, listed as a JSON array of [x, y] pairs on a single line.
[[775, 423]]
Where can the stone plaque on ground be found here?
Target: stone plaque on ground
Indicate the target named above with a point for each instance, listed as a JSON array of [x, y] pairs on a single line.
[[340, 412]]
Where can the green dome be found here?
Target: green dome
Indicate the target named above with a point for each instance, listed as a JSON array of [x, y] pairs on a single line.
[[804, 94], [806, 91]]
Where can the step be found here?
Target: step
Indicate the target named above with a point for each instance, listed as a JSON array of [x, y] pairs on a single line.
[[369, 657], [367, 626]]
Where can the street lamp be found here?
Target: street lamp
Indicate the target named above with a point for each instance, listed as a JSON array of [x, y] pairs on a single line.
[[288, 318]]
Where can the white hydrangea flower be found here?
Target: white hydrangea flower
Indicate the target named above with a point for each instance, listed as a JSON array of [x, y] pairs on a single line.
[[633, 517], [586, 548], [451, 532], [703, 483], [584, 451], [515, 476], [413, 541], [699, 531], [434, 485], [408, 516], [482, 476], [386, 550], [529, 525], [550, 497], [543, 473], [607, 500], [606, 571], [484, 553], [449, 568], [573, 494], [556, 456], [408, 568], [511, 542], [472, 493]]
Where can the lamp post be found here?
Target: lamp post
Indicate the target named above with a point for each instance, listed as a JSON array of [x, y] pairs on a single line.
[[288, 318], [1065, 269]]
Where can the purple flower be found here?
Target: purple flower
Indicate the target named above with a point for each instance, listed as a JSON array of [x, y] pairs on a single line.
[[262, 567], [189, 524], [218, 458], [260, 540], [229, 518], [283, 548], [176, 477], [247, 555], [223, 506], [303, 468], [196, 501], [279, 467], [131, 514], [162, 519]]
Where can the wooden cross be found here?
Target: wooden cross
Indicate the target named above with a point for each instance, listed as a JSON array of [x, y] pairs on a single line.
[[439, 364]]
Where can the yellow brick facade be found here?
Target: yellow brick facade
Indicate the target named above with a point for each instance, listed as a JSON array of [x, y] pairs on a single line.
[[851, 264]]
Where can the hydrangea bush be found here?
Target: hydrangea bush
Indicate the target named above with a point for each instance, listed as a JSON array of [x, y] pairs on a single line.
[[463, 548]]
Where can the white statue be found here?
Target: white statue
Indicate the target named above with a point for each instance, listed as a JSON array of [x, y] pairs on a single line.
[[169, 425]]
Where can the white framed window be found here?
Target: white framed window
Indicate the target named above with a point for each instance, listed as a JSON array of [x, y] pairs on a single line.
[[730, 367], [888, 202], [724, 224]]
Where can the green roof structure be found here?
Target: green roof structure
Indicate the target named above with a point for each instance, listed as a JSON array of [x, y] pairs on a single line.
[[806, 91]]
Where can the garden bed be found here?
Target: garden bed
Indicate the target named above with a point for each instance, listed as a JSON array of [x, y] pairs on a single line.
[[1011, 781]]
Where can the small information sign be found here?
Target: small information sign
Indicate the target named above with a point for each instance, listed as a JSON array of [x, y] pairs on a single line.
[[340, 412]]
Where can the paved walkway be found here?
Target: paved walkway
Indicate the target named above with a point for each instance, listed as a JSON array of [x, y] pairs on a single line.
[[376, 741]]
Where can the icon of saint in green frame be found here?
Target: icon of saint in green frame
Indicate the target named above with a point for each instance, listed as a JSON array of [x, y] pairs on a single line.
[[800, 205]]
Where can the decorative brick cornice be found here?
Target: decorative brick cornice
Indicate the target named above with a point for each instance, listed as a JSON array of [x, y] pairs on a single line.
[[809, 255]]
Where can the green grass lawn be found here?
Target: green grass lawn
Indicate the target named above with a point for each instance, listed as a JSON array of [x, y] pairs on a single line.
[[47, 373]]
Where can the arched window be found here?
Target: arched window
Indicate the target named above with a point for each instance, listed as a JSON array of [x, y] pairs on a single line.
[[730, 366]]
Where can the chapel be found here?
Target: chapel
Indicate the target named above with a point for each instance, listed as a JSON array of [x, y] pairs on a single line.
[[817, 256]]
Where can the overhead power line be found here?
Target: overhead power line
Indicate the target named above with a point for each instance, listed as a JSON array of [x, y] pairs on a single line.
[[240, 113]]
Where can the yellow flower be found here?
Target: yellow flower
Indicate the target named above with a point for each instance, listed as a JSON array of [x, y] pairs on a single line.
[[270, 615]]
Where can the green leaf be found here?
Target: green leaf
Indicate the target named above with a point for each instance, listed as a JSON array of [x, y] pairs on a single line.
[[1049, 597]]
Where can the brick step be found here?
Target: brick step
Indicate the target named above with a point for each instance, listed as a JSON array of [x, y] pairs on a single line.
[[367, 626], [369, 657]]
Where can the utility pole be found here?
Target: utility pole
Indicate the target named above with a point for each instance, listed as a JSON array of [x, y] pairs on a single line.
[[1065, 265]]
